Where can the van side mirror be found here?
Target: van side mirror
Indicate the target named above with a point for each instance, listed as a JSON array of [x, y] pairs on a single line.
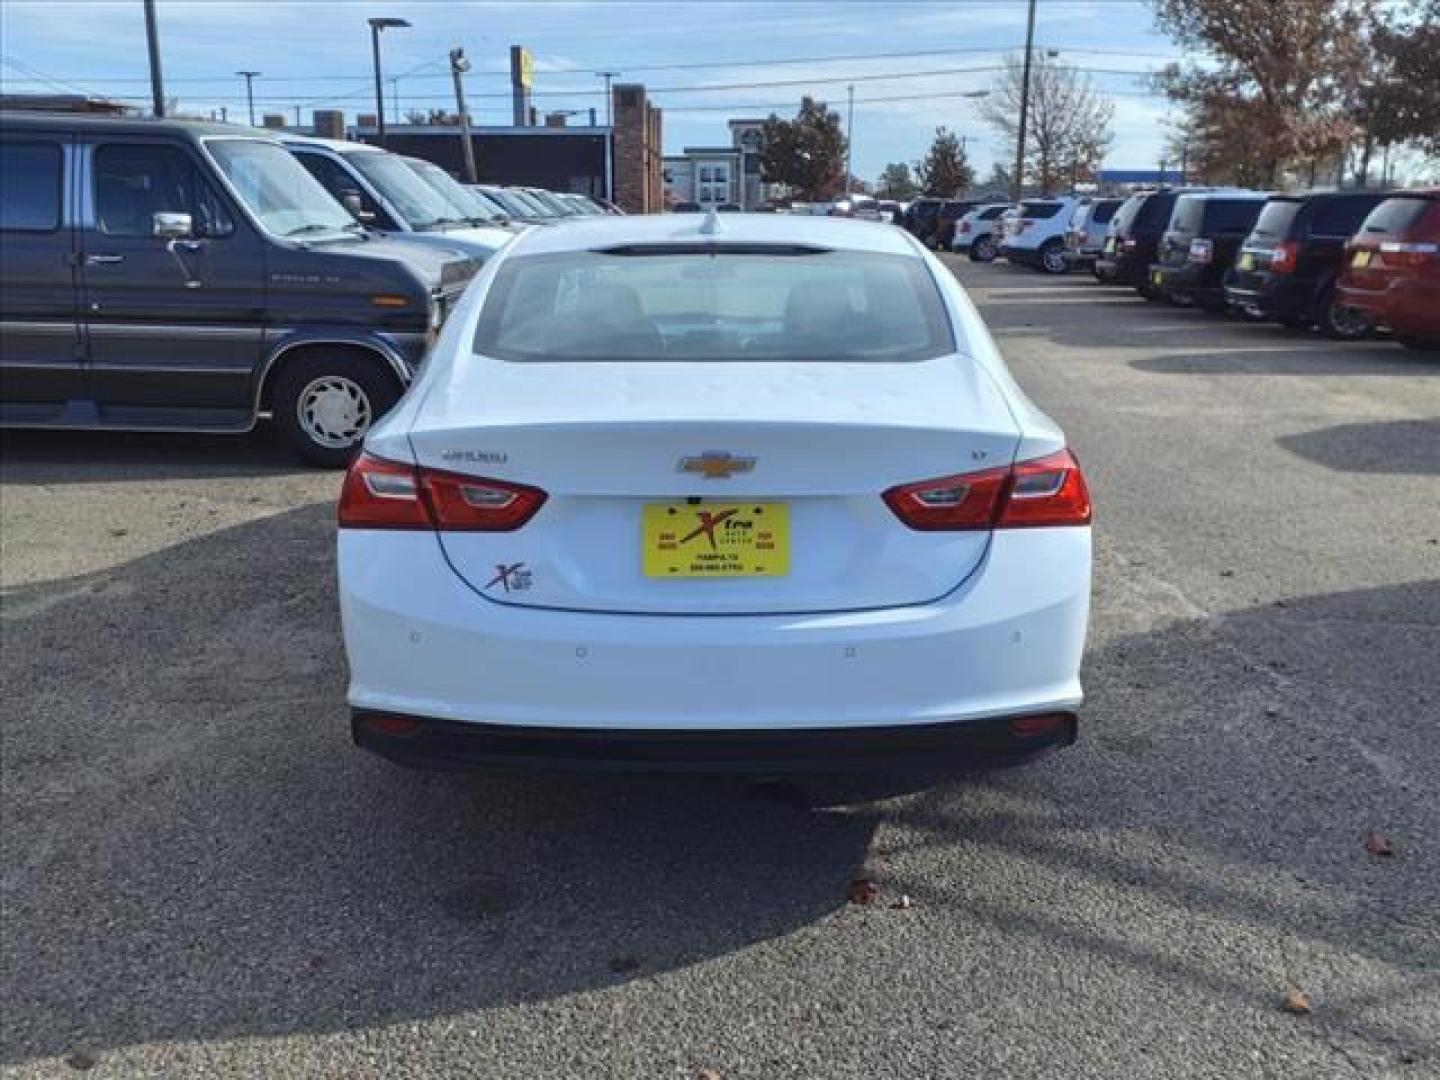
[[168, 225]]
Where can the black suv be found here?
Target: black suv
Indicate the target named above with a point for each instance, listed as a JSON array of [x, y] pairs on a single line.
[[1197, 249], [1134, 240], [1288, 265], [951, 211], [922, 217], [166, 275]]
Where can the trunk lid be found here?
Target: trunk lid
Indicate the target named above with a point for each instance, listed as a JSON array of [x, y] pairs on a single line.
[[818, 442]]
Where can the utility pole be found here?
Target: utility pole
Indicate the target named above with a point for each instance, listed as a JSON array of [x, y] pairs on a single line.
[[607, 76], [297, 116], [395, 99], [249, 77], [849, 132], [157, 78], [1018, 181], [458, 66]]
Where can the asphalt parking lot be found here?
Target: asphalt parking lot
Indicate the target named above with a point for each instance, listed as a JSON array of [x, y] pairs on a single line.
[[201, 876]]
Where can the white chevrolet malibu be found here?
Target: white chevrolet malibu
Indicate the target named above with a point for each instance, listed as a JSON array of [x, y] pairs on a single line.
[[737, 493]]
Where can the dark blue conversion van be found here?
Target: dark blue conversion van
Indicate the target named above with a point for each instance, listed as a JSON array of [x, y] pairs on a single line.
[[164, 275]]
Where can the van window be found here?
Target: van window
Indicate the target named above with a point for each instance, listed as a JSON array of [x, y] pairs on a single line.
[[993, 213], [1189, 214], [1155, 212], [133, 183], [30, 180], [1103, 211], [1341, 217], [338, 182], [1232, 216]]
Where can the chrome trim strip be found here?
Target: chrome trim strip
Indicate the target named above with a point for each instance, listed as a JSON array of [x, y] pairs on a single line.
[[144, 330], [52, 327], [174, 369]]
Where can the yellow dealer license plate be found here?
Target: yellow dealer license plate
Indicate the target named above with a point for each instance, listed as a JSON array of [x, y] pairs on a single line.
[[1360, 259], [1247, 262], [1156, 277], [711, 539]]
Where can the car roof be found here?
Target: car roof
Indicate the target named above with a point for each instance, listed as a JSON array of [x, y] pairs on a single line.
[[588, 234], [40, 120]]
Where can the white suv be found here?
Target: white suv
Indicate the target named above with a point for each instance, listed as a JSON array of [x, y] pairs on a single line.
[[978, 232], [1038, 238]]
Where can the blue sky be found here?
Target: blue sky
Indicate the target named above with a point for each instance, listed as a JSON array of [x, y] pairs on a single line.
[[316, 54]]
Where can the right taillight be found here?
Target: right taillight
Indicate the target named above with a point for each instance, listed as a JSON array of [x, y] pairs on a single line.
[[383, 494], [1399, 253], [1045, 491], [1284, 258]]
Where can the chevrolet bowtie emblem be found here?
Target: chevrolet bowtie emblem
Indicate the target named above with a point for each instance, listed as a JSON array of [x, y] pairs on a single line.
[[716, 466]]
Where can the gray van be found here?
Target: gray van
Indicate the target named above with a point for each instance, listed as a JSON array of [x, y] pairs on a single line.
[[167, 275]]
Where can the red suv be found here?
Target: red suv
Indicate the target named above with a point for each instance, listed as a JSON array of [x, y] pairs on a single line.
[[1392, 267]]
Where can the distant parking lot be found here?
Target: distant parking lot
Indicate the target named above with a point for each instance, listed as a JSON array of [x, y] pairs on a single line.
[[201, 876]]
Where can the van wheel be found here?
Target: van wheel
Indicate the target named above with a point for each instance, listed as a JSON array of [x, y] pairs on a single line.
[[326, 402], [1052, 257], [1340, 322], [983, 250]]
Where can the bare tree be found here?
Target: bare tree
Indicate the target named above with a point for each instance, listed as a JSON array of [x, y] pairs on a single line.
[[1068, 131]]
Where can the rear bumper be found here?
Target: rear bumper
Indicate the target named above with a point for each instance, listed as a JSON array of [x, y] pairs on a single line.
[[1270, 295], [1408, 305], [422, 742], [1007, 642], [1188, 281], [1117, 269]]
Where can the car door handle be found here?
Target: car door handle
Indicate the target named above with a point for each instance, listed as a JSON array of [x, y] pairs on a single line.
[[102, 260]]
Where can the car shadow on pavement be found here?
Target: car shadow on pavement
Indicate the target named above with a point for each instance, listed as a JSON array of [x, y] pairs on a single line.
[[1295, 353], [192, 849], [1393, 447], [69, 457]]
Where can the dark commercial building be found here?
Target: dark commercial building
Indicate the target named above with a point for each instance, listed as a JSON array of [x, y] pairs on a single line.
[[559, 158]]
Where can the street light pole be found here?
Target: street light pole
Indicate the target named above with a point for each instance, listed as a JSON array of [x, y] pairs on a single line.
[[157, 78], [458, 66], [849, 132], [607, 76], [1017, 182], [376, 25], [249, 77]]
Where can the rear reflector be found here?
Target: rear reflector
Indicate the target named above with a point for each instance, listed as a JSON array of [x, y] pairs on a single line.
[[1044, 724], [1046, 491], [1284, 258], [381, 494], [390, 724]]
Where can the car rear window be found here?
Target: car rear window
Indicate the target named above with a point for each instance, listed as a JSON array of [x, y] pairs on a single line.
[[1101, 212], [1342, 216], [1128, 212], [1040, 209], [993, 213], [1154, 214], [1275, 219], [1188, 215], [689, 304], [1395, 216], [1230, 215]]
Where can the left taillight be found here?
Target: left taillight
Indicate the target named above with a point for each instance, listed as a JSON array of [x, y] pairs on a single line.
[[383, 494], [1041, 492]]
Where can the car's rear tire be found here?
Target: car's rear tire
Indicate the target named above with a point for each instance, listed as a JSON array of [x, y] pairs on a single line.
[[1340, 322], [325, 401], [1052, 257], [984, 250]]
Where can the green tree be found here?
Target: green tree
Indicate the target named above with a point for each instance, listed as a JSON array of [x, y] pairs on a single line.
[[945, 170], [896, 182], [806, 154]]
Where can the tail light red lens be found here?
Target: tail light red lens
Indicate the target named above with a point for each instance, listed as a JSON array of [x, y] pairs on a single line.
[[1046, 491], [1202, 251], [381, 494], [1284, 258]]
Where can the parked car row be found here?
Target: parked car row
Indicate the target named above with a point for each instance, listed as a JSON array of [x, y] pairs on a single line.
[[1347, 262], [172, 275]]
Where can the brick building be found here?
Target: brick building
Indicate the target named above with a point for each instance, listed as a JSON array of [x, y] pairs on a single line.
[[637, 158]]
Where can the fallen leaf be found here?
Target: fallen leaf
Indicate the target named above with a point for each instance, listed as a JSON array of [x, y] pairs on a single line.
[[707, 1074], [1296, 1001], [903, 903], [1376, 844], [862, 891], [81, 1060]]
